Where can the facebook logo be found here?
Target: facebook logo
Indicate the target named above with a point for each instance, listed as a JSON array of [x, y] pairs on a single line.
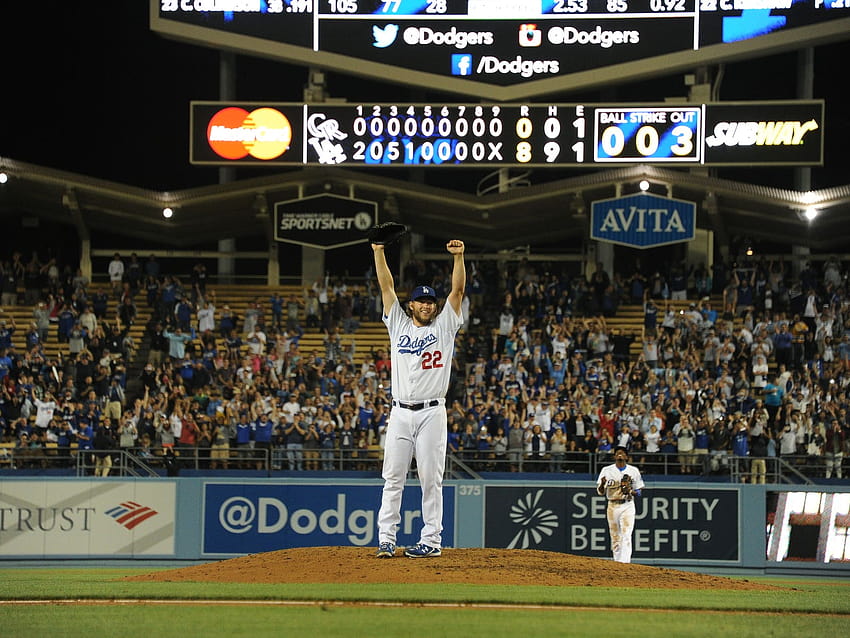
[[461, 64]]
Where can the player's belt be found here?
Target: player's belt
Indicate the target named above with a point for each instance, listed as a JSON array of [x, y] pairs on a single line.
[[619, 501], [414, 407]]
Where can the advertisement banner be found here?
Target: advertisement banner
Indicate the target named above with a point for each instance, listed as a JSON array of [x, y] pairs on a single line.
[[324, 221], [789, 133], [247, 518], [87, 518], [643, 220], [671, 523]]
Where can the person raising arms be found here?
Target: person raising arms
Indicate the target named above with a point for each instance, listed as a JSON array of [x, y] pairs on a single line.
[[421, 350]]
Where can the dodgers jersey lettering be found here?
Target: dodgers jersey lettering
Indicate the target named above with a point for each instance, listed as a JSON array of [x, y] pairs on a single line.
[[421, 356], [612, 475]]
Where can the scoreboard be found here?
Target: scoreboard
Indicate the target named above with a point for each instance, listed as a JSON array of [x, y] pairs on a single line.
[[407, 135], [504, 49]]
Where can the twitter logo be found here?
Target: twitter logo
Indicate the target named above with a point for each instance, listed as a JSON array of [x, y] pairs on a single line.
[[384, 37]]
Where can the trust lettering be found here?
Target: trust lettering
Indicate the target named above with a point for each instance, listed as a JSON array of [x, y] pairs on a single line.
[[415, 345]]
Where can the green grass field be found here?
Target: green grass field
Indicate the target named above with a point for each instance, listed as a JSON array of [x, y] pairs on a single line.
[[95, 602]]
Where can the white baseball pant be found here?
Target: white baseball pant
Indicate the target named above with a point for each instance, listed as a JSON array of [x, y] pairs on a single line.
[[621, 524], [421, 433]]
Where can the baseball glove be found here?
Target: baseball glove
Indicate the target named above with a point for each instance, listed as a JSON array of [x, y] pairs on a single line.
[[626, 486], [386, 233]]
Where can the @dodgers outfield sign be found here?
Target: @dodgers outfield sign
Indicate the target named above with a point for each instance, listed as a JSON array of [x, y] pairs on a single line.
[[643, 220], [245, 518], [324, 221]]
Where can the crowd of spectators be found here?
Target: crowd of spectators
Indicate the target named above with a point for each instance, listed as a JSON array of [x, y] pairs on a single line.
[[544, 371], [765, 375]]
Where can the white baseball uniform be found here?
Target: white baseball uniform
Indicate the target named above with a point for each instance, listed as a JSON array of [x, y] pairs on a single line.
[[621, 508], [421, 367]]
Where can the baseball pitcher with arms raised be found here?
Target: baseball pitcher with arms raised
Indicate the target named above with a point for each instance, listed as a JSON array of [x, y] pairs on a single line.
[[422, 346], [620, 483]]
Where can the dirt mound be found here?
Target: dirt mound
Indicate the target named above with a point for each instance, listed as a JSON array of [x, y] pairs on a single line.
[[465, 566]]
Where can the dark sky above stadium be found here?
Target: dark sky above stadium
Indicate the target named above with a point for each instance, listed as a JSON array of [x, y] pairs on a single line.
[[88, 88]]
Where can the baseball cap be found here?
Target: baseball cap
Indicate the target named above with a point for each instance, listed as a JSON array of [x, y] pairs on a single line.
[[420, 292]]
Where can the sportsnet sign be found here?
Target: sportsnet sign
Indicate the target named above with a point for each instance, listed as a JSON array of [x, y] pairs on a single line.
[[643, 220], [324, 221]]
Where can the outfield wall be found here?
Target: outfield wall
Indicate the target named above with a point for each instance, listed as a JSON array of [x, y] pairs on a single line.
[[711, 525]]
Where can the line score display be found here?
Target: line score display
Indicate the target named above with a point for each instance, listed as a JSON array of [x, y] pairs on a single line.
[[764, 133]]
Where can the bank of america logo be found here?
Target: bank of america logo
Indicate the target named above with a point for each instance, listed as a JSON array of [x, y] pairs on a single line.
[[534, 521], [130, 514], [461, 64]]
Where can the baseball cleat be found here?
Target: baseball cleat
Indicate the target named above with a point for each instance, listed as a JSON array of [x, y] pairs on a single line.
[[422, 551], [385, 550]]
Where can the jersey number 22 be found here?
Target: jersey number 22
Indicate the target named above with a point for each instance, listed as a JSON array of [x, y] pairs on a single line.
[[432, 360]]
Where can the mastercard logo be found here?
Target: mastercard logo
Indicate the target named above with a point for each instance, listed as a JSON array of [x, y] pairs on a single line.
[[234, 133]]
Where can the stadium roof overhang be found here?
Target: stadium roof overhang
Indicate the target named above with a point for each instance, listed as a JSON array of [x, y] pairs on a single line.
[[527, 214]]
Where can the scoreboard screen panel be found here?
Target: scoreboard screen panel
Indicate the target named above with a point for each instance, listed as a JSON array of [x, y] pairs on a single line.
[[385, 135], [504, 49]]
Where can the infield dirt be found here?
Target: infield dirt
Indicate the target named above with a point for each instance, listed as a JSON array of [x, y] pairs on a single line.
[[463, 566]]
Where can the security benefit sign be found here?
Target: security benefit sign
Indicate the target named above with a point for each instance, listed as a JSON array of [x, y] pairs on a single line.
[[324, 221], [671, 523], [245, 518], [643, 220], [86, 518]]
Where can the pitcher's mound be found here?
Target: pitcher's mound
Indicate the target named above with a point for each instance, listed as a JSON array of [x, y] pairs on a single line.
[[465, 566]]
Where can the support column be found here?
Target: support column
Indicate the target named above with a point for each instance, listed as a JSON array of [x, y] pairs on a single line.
[[800, 257], [803, 175], [226, 264], [411, 244], [805, 91], [312, 265], [605, 256], [85, 258], [701, 249], [70, 202], [313, 259], [273, 268], [226, 93], [591, 256]]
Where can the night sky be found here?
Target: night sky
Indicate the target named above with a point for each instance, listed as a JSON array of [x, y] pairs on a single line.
[[92, 90]]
